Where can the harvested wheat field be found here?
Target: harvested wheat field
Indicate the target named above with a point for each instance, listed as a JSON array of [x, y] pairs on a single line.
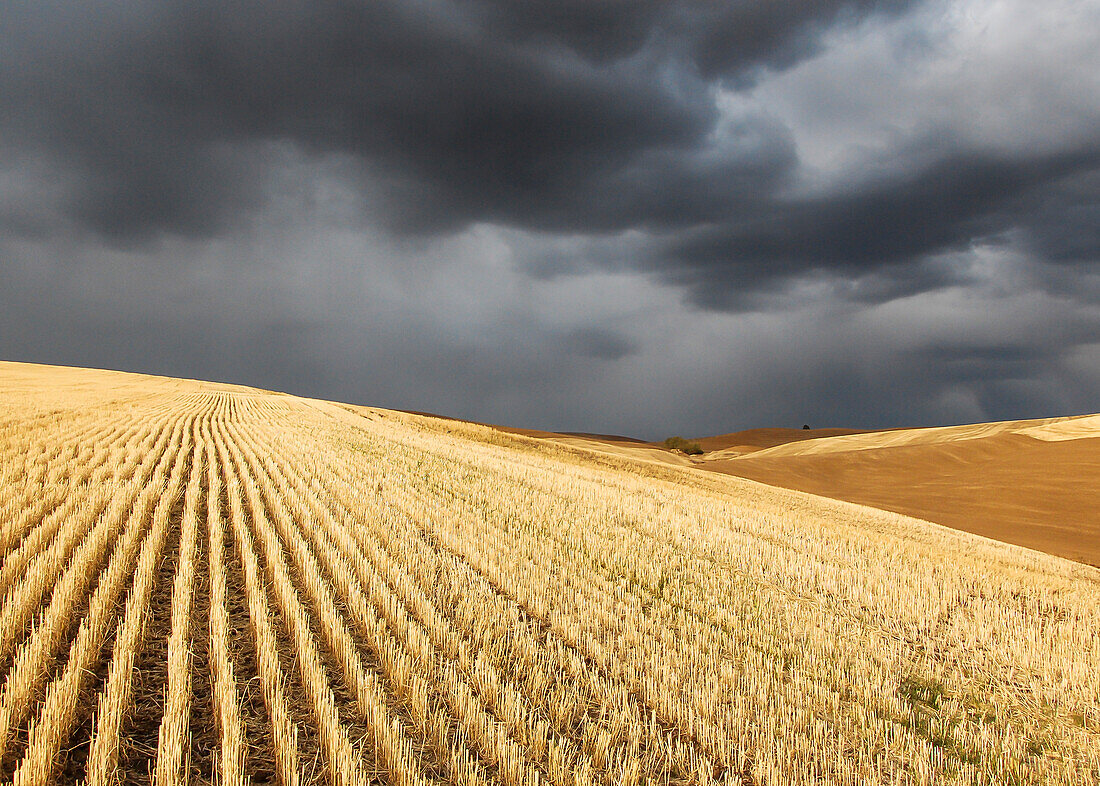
[[205, 583]]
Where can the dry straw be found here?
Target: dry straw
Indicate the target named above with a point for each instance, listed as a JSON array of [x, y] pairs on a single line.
[[427, 601]]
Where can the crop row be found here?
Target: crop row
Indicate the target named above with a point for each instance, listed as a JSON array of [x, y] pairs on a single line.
[[209, 585]]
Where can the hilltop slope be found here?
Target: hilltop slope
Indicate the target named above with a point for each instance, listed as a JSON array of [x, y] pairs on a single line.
[[755, 439], [1032, 483], [214, 583], [1035, 483]]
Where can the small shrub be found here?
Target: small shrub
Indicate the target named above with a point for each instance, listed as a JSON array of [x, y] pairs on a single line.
[[682, 445]]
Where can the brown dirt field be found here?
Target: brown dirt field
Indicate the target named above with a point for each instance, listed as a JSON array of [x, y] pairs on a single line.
[[768, 437], [1044, 495]]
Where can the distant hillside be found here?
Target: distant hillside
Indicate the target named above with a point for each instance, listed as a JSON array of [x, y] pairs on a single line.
[[1035, 483], [757, 438], [1030, 482]]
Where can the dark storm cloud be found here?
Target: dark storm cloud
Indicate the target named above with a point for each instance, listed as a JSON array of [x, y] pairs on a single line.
[[153, 109], [43, 323], [982, 362], [718, 38], [734, 39], [558, 116], [890, 227], [715, 202], [574, 115], [600, 343], [597, 29], [1065, 222]]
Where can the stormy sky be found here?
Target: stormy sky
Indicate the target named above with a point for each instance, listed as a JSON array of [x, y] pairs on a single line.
[[633, 216]]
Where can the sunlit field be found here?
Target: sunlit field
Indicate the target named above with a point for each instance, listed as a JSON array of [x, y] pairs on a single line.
[[204, 583]]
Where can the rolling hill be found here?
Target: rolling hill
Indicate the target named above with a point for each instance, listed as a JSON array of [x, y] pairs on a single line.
[[1033, 483], [207, 583]]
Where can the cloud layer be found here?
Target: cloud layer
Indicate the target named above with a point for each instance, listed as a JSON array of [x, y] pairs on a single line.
[[570, 214]]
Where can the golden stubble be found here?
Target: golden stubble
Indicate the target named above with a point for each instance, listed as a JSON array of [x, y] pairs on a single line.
[[431, 601]]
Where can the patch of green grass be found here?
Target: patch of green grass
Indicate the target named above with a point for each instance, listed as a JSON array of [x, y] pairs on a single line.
[[926, 696], [921, 690]]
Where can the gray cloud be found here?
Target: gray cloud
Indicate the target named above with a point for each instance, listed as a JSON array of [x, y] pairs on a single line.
[[462, 124], [579, 117], [595, 342], [735, 39], [953, 203], [712, 214], [554, 115]]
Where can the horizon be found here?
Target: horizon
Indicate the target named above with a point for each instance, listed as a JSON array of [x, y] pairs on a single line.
[[653, 218], [521, 427]]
